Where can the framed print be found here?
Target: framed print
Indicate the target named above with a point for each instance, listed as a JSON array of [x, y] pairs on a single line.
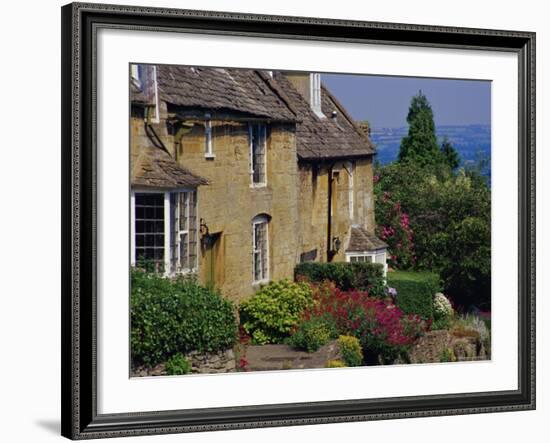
[[255, 207]]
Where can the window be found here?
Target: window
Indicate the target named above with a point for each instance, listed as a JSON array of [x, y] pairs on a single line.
[[208, 150], [149, 229], [374, 256], [183, 250], [165, 231], [361, 259], [257, 143], [260, 249]]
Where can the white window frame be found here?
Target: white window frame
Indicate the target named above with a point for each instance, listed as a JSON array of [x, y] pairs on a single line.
[[371, 255], [208, 147], [315, 94], [251, 130], [260, 220], [167, 229], [181, 232]]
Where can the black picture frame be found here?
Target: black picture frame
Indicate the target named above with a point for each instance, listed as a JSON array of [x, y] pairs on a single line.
[[79, 171]]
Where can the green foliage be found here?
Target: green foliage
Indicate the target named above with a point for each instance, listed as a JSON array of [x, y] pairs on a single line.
[[312, 334], [420, 145], [450, 155], [352, 352], [272, 313], [415, 291], [336, 363], [447, 355], [450, 215], [178, 365], [361, 276], [171, 316]]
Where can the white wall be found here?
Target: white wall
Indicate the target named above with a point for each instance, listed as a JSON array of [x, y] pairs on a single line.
[[30, 220]]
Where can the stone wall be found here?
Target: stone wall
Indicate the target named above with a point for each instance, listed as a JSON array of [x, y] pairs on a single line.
[[314, 203], [212, 362], [295, 197], [229, 202]]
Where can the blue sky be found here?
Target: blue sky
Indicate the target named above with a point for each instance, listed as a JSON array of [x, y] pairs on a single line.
[[384, 101]]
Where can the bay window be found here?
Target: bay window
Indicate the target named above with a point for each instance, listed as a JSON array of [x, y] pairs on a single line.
[[164, 234]]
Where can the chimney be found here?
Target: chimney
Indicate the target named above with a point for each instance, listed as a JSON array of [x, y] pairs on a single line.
[[309, 87]]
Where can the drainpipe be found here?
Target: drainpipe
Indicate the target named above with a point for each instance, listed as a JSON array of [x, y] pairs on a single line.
[[330, 253]]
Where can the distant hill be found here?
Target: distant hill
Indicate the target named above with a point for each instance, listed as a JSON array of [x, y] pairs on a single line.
[[473, 142]]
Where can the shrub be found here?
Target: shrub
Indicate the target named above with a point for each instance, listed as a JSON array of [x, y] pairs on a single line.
[[350, 347], [447, 355], [382, 329], [178, 365], [272, 313], [443, 312], [171, 316], [335, 364], [450, 215], [312, 334], [346, 276], [415, 291]]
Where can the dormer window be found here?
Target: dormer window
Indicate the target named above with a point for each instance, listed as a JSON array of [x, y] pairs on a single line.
[[315, 94]]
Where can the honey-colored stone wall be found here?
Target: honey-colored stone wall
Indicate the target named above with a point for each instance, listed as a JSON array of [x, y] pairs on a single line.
[[295, 198]]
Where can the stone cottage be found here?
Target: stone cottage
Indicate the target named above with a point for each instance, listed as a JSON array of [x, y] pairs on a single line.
[[238, 175]]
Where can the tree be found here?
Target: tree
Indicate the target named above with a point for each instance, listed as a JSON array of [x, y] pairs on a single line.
[[449, 215], [450, 155], [420, 145]]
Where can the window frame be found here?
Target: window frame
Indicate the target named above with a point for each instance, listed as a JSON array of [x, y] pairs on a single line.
[[372, 254], [251, 138], [260, 220], [168, 228]]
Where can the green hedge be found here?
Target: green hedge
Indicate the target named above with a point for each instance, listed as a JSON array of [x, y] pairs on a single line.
[[415, 291], [172, 316], [362, 276]]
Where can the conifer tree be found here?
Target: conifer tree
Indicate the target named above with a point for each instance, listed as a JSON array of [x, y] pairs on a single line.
[[450, 155], [420, 145]]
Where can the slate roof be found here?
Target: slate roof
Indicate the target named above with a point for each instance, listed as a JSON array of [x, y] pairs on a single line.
[[360, 240], [328, 138], [155, 168], [214, 89]]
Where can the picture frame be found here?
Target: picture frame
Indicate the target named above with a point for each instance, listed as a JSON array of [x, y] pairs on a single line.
[[80, 176]]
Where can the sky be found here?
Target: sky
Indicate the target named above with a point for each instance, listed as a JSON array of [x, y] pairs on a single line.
[[384, 101]]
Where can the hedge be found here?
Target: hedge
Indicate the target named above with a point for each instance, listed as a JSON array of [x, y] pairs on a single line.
[[346, 276], [415, 291], [173, 316]]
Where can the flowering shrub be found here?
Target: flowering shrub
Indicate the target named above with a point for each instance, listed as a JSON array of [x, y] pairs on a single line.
[[443, 311], [394, 228], [381, 327]]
